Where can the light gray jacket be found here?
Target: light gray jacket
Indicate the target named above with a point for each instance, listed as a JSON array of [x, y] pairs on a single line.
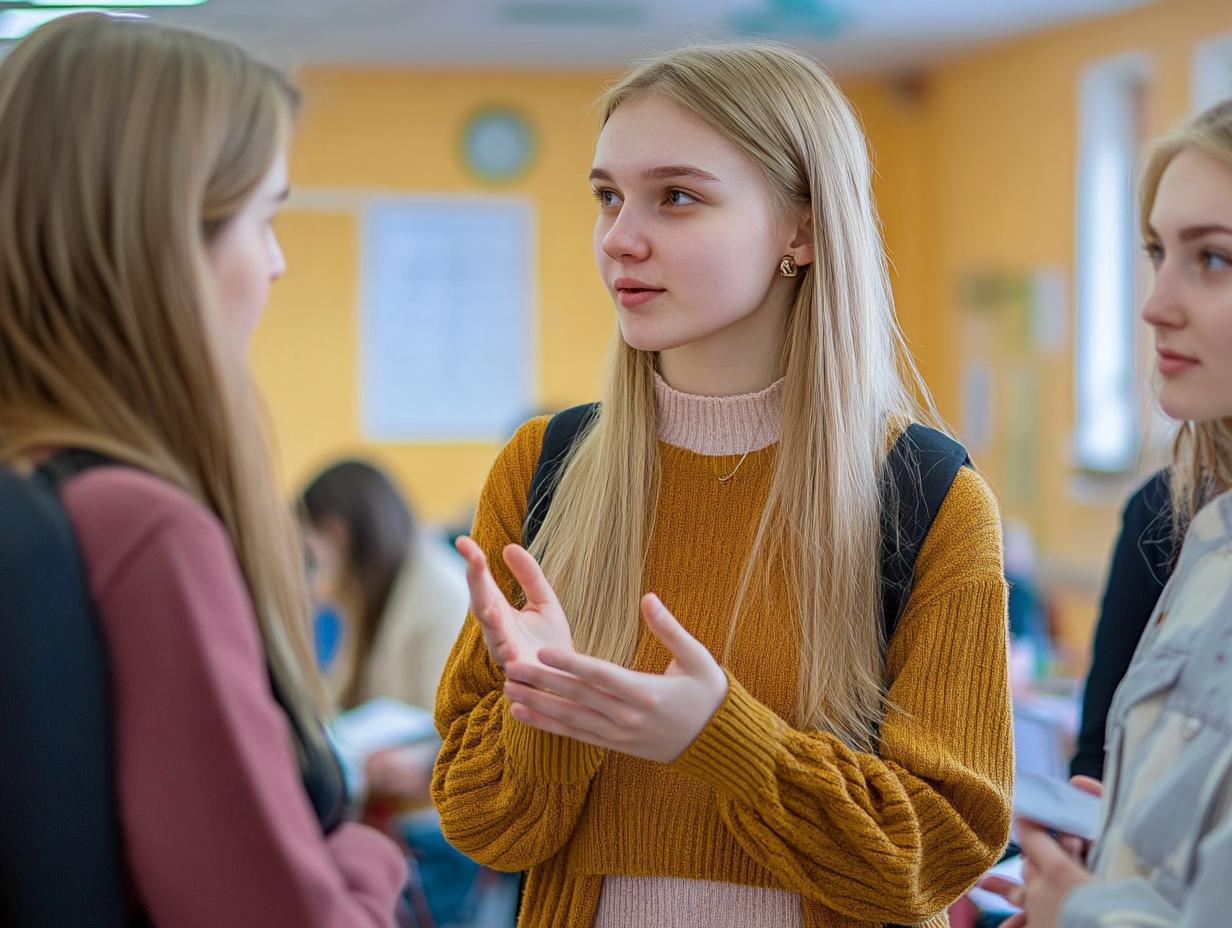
[[1164, 857]]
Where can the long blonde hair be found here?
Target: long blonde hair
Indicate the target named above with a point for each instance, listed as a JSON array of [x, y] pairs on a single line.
[[1201, 466], [845, 367], [126, 148]]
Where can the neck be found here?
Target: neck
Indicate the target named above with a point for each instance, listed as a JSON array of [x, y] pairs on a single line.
[[743, 358], [693, 372]]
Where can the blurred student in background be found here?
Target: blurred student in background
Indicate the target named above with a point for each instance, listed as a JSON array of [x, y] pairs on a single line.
[[142, 170], [399, 592]]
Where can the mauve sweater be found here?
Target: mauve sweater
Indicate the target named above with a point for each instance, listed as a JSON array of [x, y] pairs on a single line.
[[217, 827]]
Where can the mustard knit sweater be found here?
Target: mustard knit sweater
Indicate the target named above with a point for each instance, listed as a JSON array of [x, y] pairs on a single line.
[[864, 839]]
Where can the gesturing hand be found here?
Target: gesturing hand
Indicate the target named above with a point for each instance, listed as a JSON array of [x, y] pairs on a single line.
[[514, 634], [655, 716]]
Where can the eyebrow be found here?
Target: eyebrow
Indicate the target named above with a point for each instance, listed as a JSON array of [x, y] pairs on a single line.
[[666, 172], [1190, 233]]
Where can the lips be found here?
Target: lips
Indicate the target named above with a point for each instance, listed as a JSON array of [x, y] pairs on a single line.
[[633, 293], [1171, 363]]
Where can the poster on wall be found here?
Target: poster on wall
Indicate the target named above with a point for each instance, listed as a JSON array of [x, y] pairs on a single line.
[[1014, 325], [448, 322]]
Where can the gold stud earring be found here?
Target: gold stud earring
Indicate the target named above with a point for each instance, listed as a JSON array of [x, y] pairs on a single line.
[[787, 267]]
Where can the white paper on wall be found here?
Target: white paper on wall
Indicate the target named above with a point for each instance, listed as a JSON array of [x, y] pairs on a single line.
[[447, 319]]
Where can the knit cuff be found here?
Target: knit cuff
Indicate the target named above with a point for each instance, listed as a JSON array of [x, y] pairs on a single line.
[[735, 752], [549, 757]]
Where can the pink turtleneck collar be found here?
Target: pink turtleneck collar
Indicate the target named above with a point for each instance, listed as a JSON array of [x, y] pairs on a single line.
[[715, 425]]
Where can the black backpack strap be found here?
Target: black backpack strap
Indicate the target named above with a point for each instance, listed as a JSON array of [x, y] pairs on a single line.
[[918, 474], [67, 464], [562, 431]]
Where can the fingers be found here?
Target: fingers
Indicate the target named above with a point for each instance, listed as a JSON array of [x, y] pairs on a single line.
[[1039, 846], [626, 685], [545, 679], [556, 714], [487, 601], [690, 654], [1088, 785], [1075, 847], [1010, 890], [529, 574]]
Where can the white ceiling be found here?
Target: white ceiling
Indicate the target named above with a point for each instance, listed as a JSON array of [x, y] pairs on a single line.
[[878, 35]]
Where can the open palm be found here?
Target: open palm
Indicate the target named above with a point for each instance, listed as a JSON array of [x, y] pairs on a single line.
[[514, 634]]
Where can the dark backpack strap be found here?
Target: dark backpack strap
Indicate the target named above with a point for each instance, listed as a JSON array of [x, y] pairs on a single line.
[[68, 463], [919, 471], [562, 431]]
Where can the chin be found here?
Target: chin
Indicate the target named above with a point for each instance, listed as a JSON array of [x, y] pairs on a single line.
[[1177, 405], [646, 335]]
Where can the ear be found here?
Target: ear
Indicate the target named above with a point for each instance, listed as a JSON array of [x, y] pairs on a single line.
[[803, 247]]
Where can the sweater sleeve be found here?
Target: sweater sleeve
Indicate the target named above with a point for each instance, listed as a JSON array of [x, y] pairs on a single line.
[[1141, 564], [218, 829], [900, 835], [508, 794]]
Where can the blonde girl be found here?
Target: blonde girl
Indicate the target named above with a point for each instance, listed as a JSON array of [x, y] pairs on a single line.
[[690, 717]]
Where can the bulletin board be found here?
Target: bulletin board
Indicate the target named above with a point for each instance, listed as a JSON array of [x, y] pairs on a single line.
[[448, 318]]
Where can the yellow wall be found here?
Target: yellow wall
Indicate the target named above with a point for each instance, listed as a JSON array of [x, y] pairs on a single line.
[[397, 133]]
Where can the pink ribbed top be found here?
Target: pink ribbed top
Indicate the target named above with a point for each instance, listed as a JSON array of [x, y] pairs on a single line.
[[710, 425], [716, 425]]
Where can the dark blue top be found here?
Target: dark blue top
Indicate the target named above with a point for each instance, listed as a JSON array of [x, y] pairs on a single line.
[[1141, 564]]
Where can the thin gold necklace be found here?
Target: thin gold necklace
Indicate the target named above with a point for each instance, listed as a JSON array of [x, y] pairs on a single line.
[[734, 469]]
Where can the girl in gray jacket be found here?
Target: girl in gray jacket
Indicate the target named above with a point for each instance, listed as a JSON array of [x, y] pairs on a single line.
[[1166, 836]]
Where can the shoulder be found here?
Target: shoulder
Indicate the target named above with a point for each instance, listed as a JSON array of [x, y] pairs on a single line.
[[129, 501], [920, 458], [964, 542], [520, 455], [163, 576], [1151, 502], [118, 512]]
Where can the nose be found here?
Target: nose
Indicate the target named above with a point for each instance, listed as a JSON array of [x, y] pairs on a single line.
[[625, 238], [1164, 304]]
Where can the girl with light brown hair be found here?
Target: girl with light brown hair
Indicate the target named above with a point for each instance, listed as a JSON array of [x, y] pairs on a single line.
[[759, 754], [143, 168]]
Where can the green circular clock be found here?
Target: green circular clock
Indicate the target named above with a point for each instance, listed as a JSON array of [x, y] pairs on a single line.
[[498, 143]]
